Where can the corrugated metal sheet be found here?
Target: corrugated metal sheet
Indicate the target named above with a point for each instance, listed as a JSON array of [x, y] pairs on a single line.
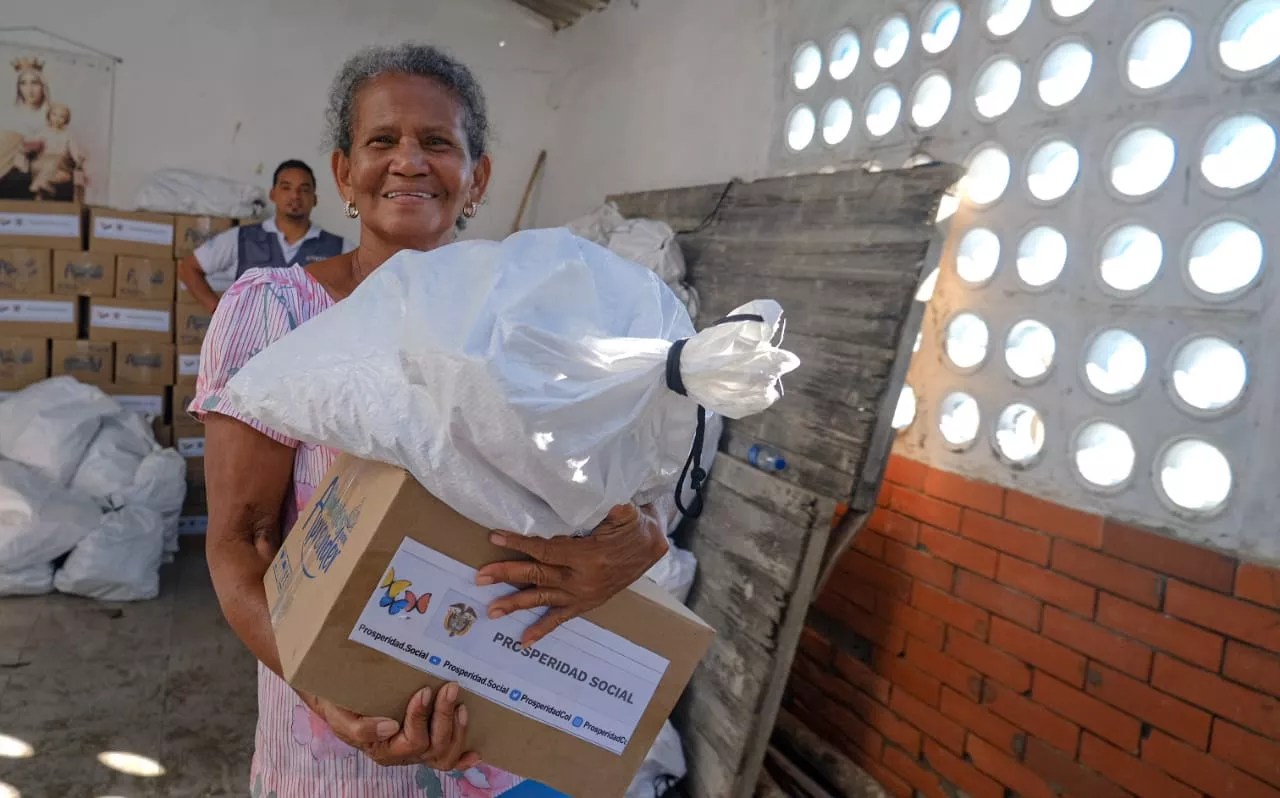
[[563, 13]]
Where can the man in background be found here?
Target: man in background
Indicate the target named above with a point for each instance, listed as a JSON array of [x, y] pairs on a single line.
[[287, 239]]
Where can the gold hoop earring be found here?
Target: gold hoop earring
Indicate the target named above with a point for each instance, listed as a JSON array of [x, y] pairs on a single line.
[[471, 210], [349, 210]]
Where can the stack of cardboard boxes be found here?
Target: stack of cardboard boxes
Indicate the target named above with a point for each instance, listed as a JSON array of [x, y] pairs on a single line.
[[93, 293]]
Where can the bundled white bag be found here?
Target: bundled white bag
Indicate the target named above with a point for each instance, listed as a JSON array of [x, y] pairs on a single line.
[[119, 560], [159, 484], [597, 225], [49, 425], [652, 244], [524, 383], [186, 192], [34, 580], [40, 520], [113, 457]]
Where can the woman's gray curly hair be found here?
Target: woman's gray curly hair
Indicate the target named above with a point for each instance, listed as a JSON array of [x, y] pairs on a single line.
[[408, 58]]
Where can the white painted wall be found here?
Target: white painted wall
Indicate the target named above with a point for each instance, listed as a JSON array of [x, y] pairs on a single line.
[[660, 93], [234, 87]]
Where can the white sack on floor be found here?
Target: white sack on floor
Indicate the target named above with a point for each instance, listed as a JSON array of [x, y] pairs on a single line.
[[119, 560], [196, 194], [34, 580], [522, 382], [597, 225], [113, 457], [49, 425], [40, 520], [159, 484], [664, 761], [652, 244], [675, 571]]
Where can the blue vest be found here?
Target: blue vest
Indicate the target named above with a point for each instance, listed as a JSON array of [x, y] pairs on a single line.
[[260, 249]]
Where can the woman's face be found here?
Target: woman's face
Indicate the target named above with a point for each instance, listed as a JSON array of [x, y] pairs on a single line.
[[31, 89], [409, 173]]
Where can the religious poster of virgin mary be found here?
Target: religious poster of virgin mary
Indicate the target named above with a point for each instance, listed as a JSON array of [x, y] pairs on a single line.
[[55, 124]]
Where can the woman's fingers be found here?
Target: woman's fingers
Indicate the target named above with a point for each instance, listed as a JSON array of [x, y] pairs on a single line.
[[546, 625], [417, 717], [521, 572], [356, 729], [458, 745], [443, 721], [546, 550], [527, 600]]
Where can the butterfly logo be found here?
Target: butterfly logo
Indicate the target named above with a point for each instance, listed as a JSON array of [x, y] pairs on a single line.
[[399, 598]]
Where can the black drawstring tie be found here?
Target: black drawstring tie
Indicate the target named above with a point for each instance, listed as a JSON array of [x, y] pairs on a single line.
[[693, 465]]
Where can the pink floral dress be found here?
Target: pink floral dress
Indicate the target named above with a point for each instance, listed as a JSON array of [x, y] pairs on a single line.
[[295, 753]]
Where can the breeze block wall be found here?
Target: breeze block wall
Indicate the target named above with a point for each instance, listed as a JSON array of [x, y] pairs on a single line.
[[979, 641]]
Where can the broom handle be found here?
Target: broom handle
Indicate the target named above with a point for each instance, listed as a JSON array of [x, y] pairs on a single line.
[[528, 190]]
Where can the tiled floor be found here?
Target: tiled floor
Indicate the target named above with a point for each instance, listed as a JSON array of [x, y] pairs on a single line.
[[166, 679]]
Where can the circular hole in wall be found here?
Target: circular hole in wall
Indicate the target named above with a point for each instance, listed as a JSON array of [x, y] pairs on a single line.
[[997, 88], [1064, 73], [940, 25], [882, 110], [1019, 433], [800, 128], [1131, 258], [844, 55], [966, 340], [1157, 52], [1225, 259], [977, 256], [905, 412], [1250, 38], [1006, 16], [958, 419], [1042, 255], [1115, 363], [1209, 374], [837, 120], [1194, 475], [987, 175], [1029, 349], [891, 42], [1067, 9], [806, 66], [1142, 161], [1238, 152], [1052, 170], [931, 99], [1104, 454]]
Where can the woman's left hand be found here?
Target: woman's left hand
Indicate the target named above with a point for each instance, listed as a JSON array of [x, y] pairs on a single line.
[[573, 575]]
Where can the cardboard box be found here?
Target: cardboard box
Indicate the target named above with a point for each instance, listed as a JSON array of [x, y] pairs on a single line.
[[188, 439], [183, 395], [148, 235], [190, 232], [192, 323], [25, 271], [91, 362], [188, 365], [23, 361], [579, 713], [40, 225], [193, 524], [130, 320], [163, 432], [39, 316], [143, 363], [145, 400], [196, 502], [84, 273], [145, 278]]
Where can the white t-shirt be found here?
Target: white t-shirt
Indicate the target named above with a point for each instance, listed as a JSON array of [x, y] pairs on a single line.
[[219, 256]]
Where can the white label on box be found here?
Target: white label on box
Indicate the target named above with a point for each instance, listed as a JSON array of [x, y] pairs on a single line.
[[191, 447], [43, 311], [193, 524], [142, 404], [581, 679], [130, 318], [133, 230], [49, 225], [189, 365]]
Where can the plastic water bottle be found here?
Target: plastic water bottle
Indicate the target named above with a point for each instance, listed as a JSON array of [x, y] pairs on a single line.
[[766, 458]]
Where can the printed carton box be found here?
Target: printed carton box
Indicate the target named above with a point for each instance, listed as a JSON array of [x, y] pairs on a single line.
[[40, 225], [25, 271], [84, 273], [144, 363], [130, 320], [372, 596], [23, 361], [39, 316], [145, 400], [145, 278], [148, 235], [188, 365], [192, 323], [89, 362], [191, 232]]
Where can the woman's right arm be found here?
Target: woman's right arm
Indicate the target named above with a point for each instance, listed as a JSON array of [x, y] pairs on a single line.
[[247, 477]]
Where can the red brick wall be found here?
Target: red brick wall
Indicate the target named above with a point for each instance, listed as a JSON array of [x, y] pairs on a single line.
[[982, 639]]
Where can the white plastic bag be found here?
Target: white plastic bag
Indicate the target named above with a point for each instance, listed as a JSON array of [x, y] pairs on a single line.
[[49, 425], [192, 193], [40, 520], [159, 484], [674, 572], [119, 560], [597, 225], [34, 580], [523, 383], [113, 457], [652, 244]]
